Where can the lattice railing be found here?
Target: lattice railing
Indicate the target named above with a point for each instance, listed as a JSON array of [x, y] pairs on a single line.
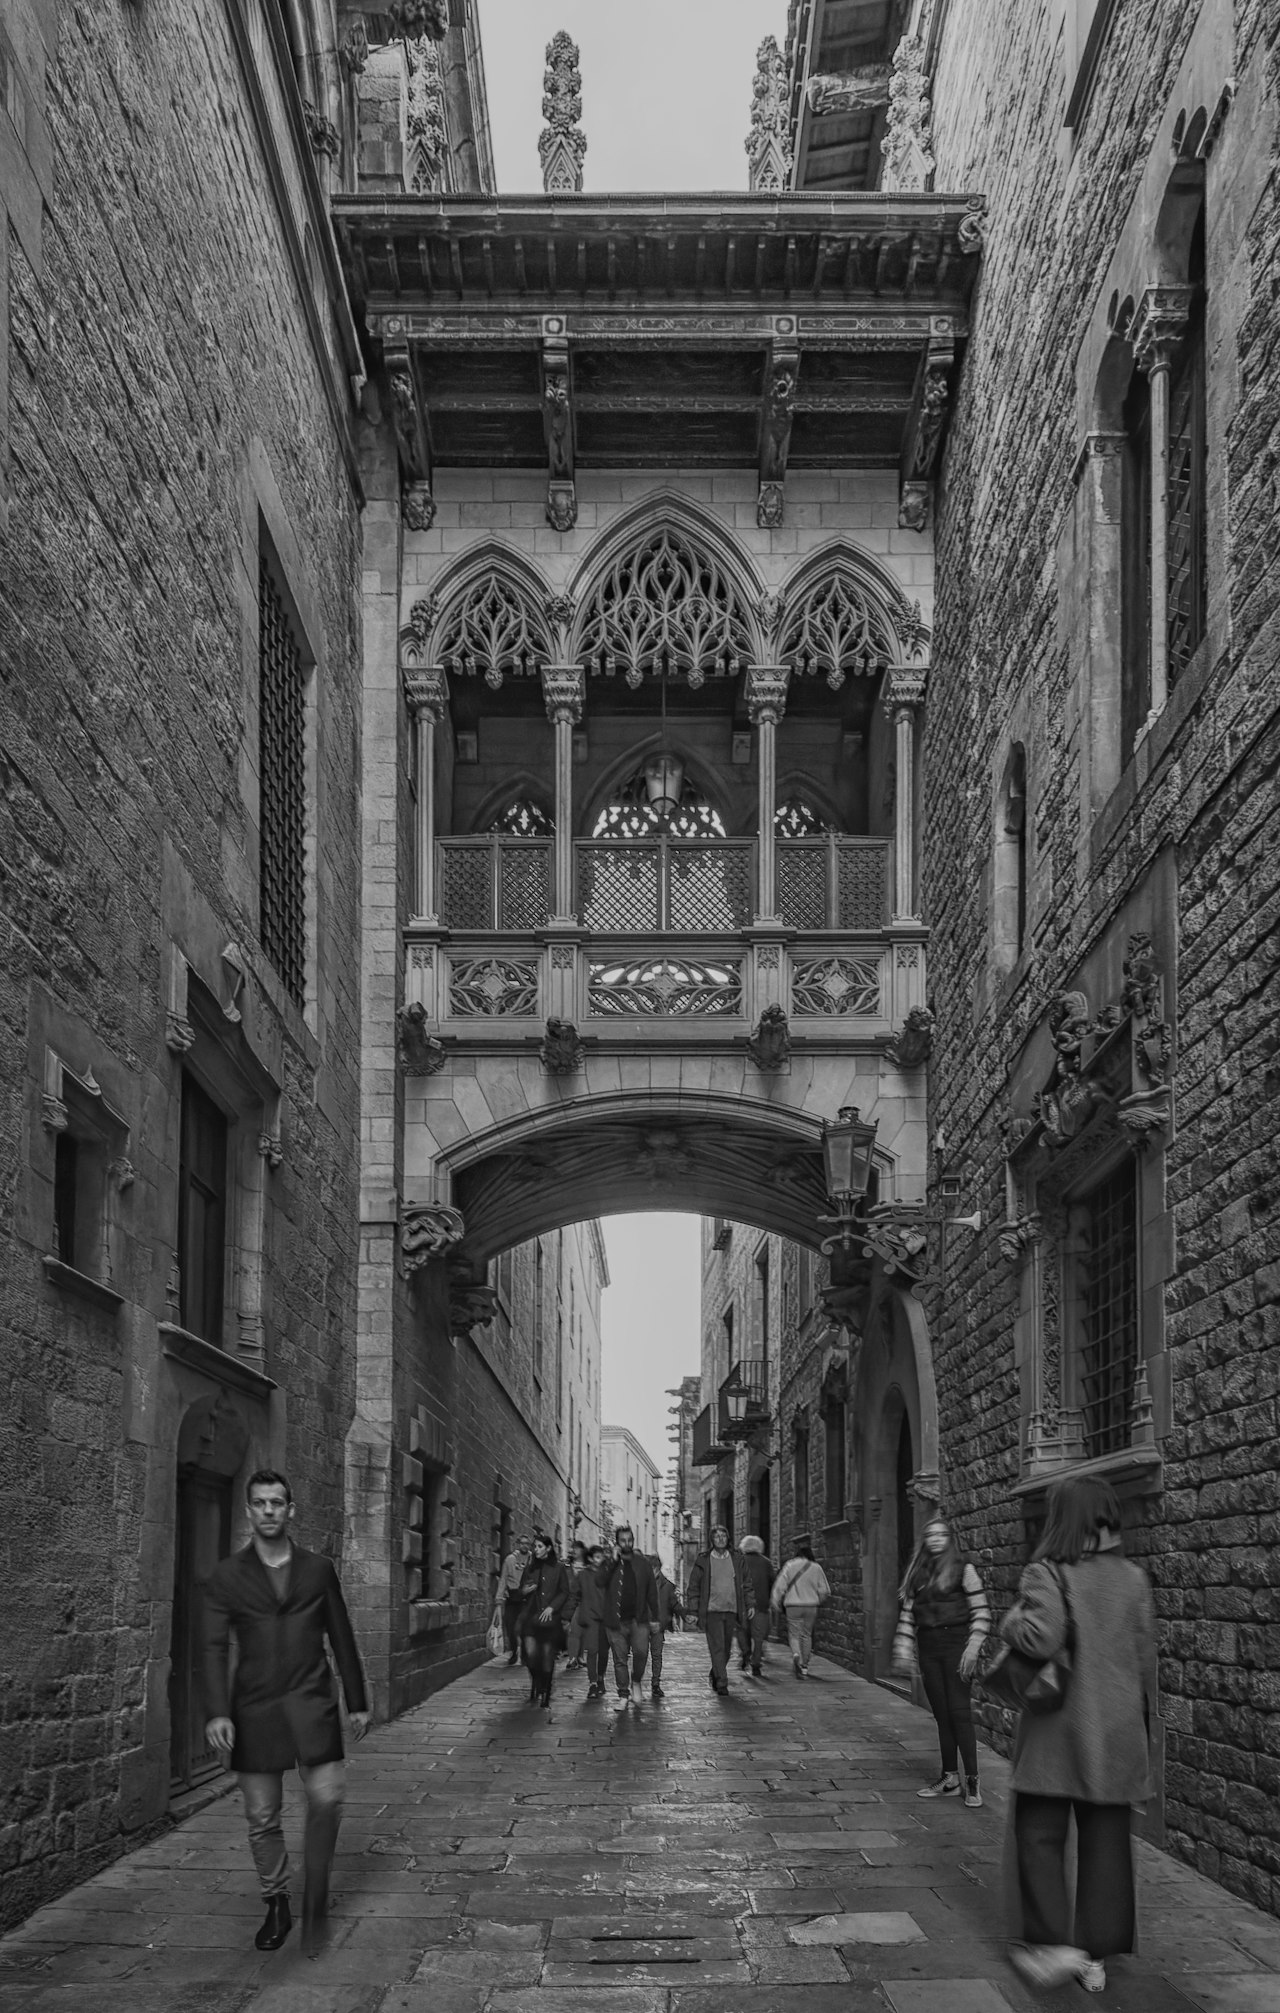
[[495, 882], [691, 886], [664, 987], [833, 883]]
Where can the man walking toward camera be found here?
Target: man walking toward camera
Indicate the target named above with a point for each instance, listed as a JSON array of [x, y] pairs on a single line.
[[720, 1597], [630, 1610], [282, 1602]]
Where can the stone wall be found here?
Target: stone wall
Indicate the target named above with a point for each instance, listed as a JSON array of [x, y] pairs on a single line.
[[1173, 836], [167, 394]]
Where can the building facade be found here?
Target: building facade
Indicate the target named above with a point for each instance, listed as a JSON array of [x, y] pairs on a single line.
[[631, 1487]]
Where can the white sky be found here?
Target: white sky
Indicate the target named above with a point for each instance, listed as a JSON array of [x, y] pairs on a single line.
[[666, 87], [650, 1323]]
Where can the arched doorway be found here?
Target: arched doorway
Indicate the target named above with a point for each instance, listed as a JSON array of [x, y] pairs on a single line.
[[213, 1441], [895, 1416]]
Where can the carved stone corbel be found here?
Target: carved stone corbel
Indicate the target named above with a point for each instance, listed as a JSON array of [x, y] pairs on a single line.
[[427, 1230], [271, 1148], [769, 1044], [766, 693], [406, 417], [912, 1046], [777, 411], [179, 1035], [562, 1050], [321, 132], [557, 427], [236, 966], [913, 506], [1017, 1237], [420, 1053], [418, 506], [564, 693]]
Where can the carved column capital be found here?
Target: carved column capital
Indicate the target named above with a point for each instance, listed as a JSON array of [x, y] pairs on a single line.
[[1158, 325], [564, 693], [426, 691], [904, 687], [767, 693]]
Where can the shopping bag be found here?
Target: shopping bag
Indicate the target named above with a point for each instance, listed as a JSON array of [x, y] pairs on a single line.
[[496, 1639]]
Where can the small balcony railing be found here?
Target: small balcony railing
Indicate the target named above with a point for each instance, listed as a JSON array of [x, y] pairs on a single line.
[[707, 1448], [661, 886], [744, 1401]]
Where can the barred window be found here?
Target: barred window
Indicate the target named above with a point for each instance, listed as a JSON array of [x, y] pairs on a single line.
[[282, 690], [1109, 1310]]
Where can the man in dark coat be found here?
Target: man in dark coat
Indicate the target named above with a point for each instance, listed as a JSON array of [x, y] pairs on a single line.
[[630, 1610], [282, 1602], [718, 1594], [758, 1568], [670, 1609]]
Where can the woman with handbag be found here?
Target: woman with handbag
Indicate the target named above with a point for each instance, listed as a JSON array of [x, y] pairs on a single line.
[[943, 1622], [548, 1599], [1087, 1608]]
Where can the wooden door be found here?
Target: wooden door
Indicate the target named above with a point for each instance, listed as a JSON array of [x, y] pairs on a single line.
[[203, 1537]]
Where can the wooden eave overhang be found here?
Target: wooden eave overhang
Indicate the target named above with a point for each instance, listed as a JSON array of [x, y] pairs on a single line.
[[666, 318]]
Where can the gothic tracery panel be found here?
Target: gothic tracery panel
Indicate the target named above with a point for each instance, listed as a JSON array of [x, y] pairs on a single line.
[[666, 608], [492, 632], [835, 631]]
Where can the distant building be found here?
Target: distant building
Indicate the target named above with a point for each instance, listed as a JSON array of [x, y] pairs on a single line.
[[631, 1484]]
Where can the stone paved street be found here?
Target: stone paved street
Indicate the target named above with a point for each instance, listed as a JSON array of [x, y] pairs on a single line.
[[695, 1856]]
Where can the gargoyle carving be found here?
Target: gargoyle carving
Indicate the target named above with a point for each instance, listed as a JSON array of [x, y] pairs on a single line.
[[913, 1045], [562, 1049], [470, 1306], [769, 1046], [427, 1230], [420, 1053]]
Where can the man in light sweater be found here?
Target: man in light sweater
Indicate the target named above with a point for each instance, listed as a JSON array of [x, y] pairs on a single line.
[[719, 1595]]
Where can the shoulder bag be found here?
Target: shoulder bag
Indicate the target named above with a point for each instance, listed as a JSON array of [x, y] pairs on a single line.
[[1036, 1685]]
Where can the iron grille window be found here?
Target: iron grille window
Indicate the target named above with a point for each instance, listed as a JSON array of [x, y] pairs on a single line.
[[1109, 1355], [202, 1211], [283, 794]]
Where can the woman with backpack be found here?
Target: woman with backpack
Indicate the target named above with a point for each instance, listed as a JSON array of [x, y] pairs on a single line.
[[547, 1598], [1090, 1759], [799, 1590], [943, 1621]]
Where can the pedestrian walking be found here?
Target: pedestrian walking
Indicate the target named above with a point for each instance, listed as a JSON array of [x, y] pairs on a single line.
[[546, 1597], [630, 1610], [753, 1637], [574, 1636], [720, 1597], [944, 1619], [1092, 1758], [282, 1711], [514, 1567], [799, 1590], [670, 1609], [590, 1613]]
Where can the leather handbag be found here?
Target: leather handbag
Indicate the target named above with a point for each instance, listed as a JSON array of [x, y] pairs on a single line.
[[1037, 1685]]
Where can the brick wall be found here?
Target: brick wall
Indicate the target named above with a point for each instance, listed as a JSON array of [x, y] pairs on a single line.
[[162, 390], [1182, 842]]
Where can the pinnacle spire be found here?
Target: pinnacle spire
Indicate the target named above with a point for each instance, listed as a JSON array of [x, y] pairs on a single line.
[[562, 144], [769, 141]]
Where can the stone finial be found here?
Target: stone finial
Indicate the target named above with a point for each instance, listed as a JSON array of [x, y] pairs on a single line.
[[562, 145], [908, 161], [427, 130], [769, 142]]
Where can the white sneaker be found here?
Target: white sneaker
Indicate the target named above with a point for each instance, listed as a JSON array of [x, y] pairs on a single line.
[[637, 1695], [622, 1701], [1048, 1965], [1094, 1976], [947, 1785]]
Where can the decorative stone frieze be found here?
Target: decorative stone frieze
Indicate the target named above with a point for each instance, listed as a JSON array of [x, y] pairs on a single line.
[[769, 142], [562, 145], [907, 153]]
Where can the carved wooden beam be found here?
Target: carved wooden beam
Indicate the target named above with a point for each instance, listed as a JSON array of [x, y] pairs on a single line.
[[777, 411], [557, 425], [412, 439], [922, 439]]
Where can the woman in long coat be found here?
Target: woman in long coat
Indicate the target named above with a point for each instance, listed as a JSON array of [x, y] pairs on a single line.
[[1091, 1758], [548, 1600]]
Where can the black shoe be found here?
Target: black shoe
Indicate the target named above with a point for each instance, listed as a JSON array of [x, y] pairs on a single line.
[[742, 1663], [711, 1680], [756, 1671], [277, 1925], [722, 1690], [512, 1660], [656, 1691]]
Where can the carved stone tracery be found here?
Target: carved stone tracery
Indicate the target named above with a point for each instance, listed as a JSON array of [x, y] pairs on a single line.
[[494, 631], [835, 630], [666, 608], [426, 118]]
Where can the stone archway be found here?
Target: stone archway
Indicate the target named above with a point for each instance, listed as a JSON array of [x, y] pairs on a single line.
[[896, 1426]]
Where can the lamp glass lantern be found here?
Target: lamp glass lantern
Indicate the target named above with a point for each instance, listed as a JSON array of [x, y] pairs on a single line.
[[664, 772], [847, 1146]]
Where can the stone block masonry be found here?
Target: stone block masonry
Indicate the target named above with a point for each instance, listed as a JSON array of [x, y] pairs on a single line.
[[165, 399]]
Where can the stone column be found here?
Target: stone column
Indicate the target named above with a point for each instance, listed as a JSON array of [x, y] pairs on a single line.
[[1157, 330], [564, 692], [766, 703], [427, 694], [904, 691]]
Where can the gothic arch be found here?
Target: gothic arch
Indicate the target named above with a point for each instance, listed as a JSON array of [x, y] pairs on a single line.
[[620, 772], [517, 784], [702, 605], [487, 616], [840, 595]]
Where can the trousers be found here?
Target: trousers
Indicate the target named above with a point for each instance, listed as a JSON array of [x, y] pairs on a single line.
[[511, 1606], [657, 1636], [632, 1638], [938, 1653], [800, 1621], [721, 1631], [1105, 1910], [263, 1794], [753, 1634]]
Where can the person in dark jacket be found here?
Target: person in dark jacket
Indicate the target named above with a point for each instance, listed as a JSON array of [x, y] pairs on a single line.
[[282, 1603], [670, 1608], [1092, 1759], [590, 1617], [548, 1599], [720, 1597], [943, 1621], [630, 1609], [758, 1568]]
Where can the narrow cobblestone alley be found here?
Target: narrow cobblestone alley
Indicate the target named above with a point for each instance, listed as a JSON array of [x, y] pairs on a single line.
[[689, 1856]]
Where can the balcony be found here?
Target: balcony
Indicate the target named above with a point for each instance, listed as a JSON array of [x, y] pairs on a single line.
[[707, 1452], [744, 1401]]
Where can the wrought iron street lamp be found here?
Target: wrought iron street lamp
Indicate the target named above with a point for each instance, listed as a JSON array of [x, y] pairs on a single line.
[[847, 1146]]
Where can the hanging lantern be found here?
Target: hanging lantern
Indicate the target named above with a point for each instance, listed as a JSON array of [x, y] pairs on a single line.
[[847, 1144], [664, 783]]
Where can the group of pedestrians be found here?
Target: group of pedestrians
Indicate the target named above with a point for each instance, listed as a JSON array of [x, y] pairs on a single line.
[[1078, 1653]]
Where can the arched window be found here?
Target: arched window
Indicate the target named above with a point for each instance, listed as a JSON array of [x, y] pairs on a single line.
[[630, 815], [1009, 890], [666, 609], [797, 819], [523, 818], [836, 632], [492, 632]]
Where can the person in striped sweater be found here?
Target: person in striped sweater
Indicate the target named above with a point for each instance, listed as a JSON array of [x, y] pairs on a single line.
[[944, 1620]]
